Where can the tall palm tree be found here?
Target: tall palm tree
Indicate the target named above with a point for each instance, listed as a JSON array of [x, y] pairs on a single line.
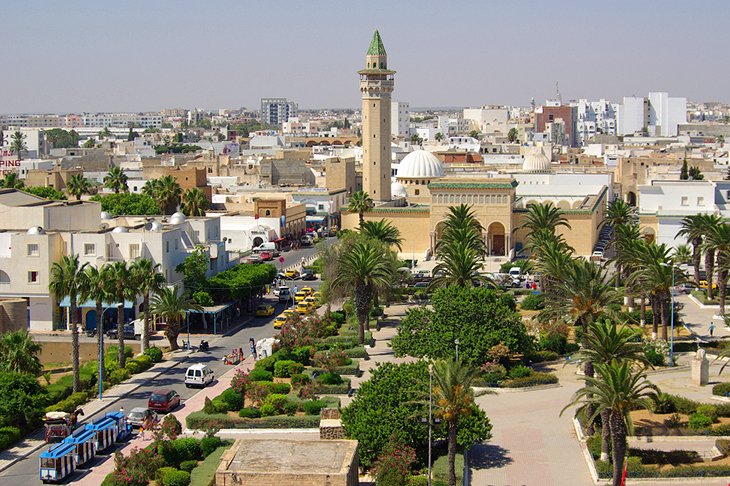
[[618, 390], [66, 282], [362, 268], [194, 202], [169, 194], [718, 240], [172, 305], [620, 213], [147, 280], [458, 265], [555, 257], [710, 221], [382, 231], [682, 255], [462, 225], [96, 285], [693, 229], [12, 181], [122, 289], [360, 203], [116, 180], [543, 215], [78, 186], [17, 143], [454, 400], [151, 188], [19, 353]]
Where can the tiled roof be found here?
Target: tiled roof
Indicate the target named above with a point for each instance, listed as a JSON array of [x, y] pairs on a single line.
[[474, 185], [376, 46]]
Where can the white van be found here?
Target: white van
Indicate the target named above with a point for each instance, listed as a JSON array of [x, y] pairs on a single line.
[[515, 272], [269, 246], [198, 375]]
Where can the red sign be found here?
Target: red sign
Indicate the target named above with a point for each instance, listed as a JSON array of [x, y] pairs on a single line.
[[281, 259]]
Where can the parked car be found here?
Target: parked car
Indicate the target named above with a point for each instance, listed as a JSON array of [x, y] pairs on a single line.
[[312, 301], [128, 332], [253, 259], [303, 308], [198, 375], [277, 291], [138, 415], [308, 290], [300, 296], [279, 321], [309, 274], [163, 401], [266, 256], [264, 310], [292, 274]]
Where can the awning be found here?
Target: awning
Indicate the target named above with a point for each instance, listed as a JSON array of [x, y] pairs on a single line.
[[90, 304], [315, 219]]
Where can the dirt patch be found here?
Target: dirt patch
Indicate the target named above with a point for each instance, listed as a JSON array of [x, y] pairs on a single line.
[[656, 423]]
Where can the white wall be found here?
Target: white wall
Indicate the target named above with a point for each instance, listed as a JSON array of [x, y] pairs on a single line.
[[631, 115]]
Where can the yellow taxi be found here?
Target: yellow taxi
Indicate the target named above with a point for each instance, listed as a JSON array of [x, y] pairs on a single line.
[[303, 308], [264, 310], [308, 290], [291, 273], [281, 318], [312, 302], [300, 296], [703, 285]]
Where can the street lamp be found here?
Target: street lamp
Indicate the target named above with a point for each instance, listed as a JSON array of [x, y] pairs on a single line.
[[100, 330], [430, 421], [671, 336], [456, 342]]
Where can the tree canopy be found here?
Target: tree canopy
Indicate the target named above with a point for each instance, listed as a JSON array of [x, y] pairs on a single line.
[[127, 204], [193, 269], [46, 192], [60, 138], [478, 317], [240, 282]]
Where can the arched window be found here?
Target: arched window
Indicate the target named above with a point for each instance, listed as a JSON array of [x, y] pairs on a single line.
[[4, 278], [267, 213]]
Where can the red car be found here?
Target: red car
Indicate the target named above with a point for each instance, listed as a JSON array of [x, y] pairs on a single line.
[[163, 401], [266, 256]]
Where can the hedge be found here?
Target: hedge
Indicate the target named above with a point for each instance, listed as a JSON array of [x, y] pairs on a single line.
[[154, 353], [9, 436], [721, 389], [544, 355], [357, 352], [637, 470], [340, 389], [351, 370], [535, 379], [176, 478], [199, 420], [69, 404]]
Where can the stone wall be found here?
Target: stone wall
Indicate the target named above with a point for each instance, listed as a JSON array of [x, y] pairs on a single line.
[[13, 315]]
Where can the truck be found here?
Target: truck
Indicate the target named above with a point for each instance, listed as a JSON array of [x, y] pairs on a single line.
[[269, 246]]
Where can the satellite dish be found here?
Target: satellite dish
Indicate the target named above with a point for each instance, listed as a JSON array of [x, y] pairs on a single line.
[[148, 226], [103, 226]]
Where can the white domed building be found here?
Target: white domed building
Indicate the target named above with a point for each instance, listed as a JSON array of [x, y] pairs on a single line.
[[416, 171], [536, 162]]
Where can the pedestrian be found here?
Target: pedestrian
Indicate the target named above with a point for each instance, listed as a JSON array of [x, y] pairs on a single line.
[[252, 346], [712, 328]]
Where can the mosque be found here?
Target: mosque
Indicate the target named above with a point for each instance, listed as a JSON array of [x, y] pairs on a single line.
[[417, 201]]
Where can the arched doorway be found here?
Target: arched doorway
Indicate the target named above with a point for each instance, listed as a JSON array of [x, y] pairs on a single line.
[[631, 198], [496, 239]]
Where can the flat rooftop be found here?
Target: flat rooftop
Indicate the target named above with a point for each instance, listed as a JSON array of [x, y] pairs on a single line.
[[273, 456]]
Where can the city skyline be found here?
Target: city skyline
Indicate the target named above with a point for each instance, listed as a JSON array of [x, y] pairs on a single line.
[[161, 55]]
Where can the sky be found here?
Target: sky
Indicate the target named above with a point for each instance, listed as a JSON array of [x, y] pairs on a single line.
[[145, 55]]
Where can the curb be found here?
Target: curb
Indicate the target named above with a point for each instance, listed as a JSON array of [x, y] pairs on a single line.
[[193, 432], [701, 305], [673, 369], [499, 391], [645, 439]]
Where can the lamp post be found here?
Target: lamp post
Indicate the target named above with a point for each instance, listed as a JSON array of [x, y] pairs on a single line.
[[430, 421], [100, 330], [671, 336], [456, 342]]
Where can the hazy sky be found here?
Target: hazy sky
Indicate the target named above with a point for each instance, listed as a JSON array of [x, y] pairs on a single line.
[[144, 55]]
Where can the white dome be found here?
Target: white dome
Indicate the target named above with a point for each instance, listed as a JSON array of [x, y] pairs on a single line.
[[177, 218], [36, 230], [155, 226], [120, 229], [536, 161], [420, 164], [398, 190], [105, 215]]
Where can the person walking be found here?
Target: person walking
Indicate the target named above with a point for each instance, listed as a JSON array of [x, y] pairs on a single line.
[[712, 328], [252, 346]]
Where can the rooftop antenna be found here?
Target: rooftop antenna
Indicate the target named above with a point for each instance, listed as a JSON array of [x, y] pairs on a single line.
[[557, 92]]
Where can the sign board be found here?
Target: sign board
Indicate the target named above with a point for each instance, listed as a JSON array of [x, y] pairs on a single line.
[[8, 161], [281, 259]]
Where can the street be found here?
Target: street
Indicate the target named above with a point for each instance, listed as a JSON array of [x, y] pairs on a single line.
[[25, 471]]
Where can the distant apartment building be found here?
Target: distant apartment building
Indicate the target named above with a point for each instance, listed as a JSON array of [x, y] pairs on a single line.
[[121, 120], [657, 115], [35, 141], [486, 118], [550, 117], [32, 121], [276, 111], [595, 118], [400, 119]]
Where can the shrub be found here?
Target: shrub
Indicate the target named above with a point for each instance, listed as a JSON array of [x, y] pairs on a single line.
[[277, 400], [655, 352], [171, 426], [208, 445], [176, 478], [132, 367], [266, 363], [9, 436], [722, 429], [69, 404], [208, 406], [554, 341], [249, 413], [697, 421], [493, 373], [188, 466], [709, 411], [684, 405], [267, 410], [663, 404], [219, 405], [187, 449], [200, 421], [338, 317], [154, 353], [260, 374], [299, 380], [329, 379], [520, 371], [118, 376], [544, 355], [290, 408], [357, 352], [394, 462], [232, 398], [286, 368], [282, 388], [302, 354], [313, 407], [721, 389], [144, 361], [161, 472], [533, 302], [536, 378]]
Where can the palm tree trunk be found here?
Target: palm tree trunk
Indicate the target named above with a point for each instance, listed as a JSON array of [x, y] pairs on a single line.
[[452, 454], [709, 270], [172, 332], [666, 315], [642, 319], [588, 371], [655, 315], [721, 283], [618, 442], [362, 306], [74, 345], [696, 257], [605, 435], [362, 218], [100, 332], [121, 358], [146, 324]]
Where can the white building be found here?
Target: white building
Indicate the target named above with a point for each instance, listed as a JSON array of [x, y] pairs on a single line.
[[400, 119], [35, 141], [657, 115], [276, 111], [595, 117], [121, 120], [487, 118]]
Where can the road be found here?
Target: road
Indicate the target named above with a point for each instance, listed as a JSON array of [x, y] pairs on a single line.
[[25, 471]]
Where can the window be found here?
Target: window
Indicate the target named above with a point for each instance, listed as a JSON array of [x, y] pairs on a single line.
[[167, 246], [320, 207], [700, 201], [418, 191], [89, 249], [685, 201], [32, 277], [133, 251], [33, 249]]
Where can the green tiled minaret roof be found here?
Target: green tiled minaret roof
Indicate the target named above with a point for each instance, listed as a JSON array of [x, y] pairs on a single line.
[[376, 46]]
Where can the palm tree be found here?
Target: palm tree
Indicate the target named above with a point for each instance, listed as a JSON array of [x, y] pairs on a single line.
[[122, 288], [362, 268], [66, 282], [172, 305], [382, 231], [682, 254], [78, 186], [19, 353], [462, 225], [708, 222], [543, 215], [12, 181], [454, 399], [458, 265], [718, 241], [169, 193], [96, 285], [148, 281], [693, 229], [620, 213], [619, 390], [360, 203], [116, 180], [194, 202], [17, 143], [555, 257]]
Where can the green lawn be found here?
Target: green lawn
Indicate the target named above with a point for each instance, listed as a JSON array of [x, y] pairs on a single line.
[[204, 474], [441, 468], [702, 297]]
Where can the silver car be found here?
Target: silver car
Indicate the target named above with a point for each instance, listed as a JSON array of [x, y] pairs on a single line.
[[138, 415]]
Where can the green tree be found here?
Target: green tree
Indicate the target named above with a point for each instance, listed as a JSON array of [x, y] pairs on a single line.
[[543, 216], [194, 202], [682, 255], [23, 400], [122, 289], [97, 284], [105, 133], [684, 171], [361, 269], [17, 143], [46, 192], [89, 143], [360, 203], [77, 186], [439, 136], [12, 181], [474, 134], [619, 390], [194, 268], [512, 135], [165, 191], [60, 138], [382, 231], [460, 250], [709, 222], [241, 282], [116, 180], [718, 240], [127, 204], [477, 317], [148, 280], [694, 230], [695, 174], [66, 281], [172, 305], [19, 353]]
